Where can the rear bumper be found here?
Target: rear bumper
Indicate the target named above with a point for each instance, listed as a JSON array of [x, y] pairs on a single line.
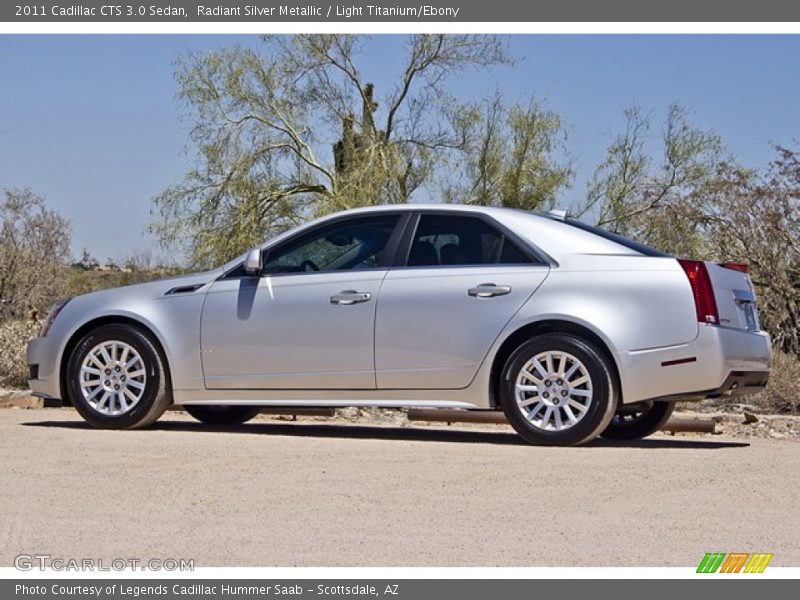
[[741, 383], [42, 359], [719, 362]]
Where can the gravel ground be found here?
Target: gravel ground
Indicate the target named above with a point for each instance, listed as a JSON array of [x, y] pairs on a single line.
[[324, 494]]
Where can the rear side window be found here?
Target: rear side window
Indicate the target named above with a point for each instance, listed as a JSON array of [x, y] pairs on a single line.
[[617, 238], [442, 240]]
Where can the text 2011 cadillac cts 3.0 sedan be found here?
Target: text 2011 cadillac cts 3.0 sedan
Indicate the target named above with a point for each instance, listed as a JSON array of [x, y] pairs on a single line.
[[571, 331]]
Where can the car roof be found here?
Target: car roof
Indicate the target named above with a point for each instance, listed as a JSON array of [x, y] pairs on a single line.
[[437, 207]]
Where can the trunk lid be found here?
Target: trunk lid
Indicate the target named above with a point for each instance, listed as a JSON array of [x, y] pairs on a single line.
[[736, 299]]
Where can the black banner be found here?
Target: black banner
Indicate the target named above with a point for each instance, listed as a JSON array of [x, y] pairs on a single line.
[[387, 589], [413, 11]]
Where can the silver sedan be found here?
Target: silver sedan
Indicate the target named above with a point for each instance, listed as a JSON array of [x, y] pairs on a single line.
[[571, 331]]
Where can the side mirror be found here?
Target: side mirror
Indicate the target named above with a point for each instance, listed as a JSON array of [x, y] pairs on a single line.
[[252, 262]]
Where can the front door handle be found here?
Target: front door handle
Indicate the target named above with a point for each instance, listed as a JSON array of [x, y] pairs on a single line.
[[488, 290], [348, 297]]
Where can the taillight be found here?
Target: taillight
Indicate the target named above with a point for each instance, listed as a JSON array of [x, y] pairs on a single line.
[[735, 266], [704, 302]]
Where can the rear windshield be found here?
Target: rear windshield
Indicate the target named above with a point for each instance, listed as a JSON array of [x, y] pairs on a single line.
[[615, 237]]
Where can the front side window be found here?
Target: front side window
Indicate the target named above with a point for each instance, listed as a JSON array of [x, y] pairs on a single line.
[[351, 244], [442, 240]]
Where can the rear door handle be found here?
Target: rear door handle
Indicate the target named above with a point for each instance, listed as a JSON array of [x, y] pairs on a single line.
[[348, 297], [488, 290]]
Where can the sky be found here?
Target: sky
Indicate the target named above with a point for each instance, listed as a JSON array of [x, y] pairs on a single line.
[[94, 125]]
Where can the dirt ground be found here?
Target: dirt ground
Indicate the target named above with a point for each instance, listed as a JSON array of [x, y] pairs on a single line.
[[313, 493]]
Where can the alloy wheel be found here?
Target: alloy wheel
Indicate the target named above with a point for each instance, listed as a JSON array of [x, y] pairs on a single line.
[[112, 377], [553, 391]]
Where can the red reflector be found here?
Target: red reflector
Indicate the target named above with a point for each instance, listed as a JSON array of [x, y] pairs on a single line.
[[679, 361], [741, 267], [704, 301]]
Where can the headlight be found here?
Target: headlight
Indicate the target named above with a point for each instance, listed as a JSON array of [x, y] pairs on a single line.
[[51, 316]]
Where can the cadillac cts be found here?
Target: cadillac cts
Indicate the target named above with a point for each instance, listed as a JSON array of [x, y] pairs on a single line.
[[571, 331]]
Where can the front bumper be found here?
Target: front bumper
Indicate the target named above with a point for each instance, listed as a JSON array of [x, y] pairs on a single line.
[[43, 358], [720, 361]]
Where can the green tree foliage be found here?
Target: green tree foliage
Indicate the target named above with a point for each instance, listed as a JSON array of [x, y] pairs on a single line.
[[513, 156], [292, 130]]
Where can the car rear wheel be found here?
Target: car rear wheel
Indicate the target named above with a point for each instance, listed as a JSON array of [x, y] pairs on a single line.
[[116, 379], [558, 390], [637, 422], [222, 415]]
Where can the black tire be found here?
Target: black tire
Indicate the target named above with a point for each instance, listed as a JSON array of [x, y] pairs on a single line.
[[222, 415], [598, 411], [156, 395], [632, 424]]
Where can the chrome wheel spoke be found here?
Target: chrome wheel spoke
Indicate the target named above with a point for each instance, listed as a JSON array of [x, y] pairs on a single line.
[[548, 361], [584, 393], [575, 366], [546, 419], [106, 356], [539, 405], [530, 376], [538, 366], [559, 424], [581, 408], [94, 393], [529, 401], [579, 381], [570, 415], [528, 388]]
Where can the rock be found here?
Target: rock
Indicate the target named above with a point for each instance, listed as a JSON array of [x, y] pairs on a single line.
[[20, 399], [750, 417]]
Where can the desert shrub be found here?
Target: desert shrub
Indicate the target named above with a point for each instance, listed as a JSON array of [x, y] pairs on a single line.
[[14, 337], [77, 281], [782, 394], [34, 246]]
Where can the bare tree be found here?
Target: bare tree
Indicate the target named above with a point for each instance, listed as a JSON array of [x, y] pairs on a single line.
[[34, 248], [646, 196], [755, 218], [265, 121]]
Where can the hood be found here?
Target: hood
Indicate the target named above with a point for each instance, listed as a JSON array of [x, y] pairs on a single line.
[[159, 287]]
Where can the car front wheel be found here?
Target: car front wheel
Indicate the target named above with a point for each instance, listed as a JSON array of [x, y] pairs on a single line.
[[116, 378], [558, 390], [639, 421], [222, 415]]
